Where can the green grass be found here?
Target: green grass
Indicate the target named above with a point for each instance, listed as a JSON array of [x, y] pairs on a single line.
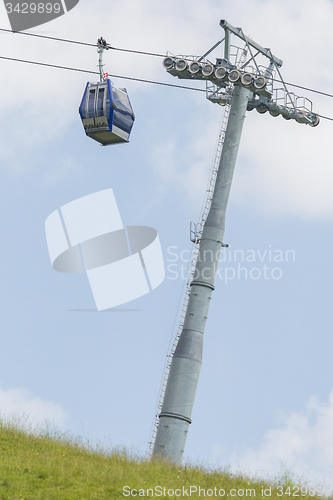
[[48, 466]]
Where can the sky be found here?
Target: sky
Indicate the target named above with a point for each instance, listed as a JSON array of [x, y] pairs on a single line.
[[264, 403]]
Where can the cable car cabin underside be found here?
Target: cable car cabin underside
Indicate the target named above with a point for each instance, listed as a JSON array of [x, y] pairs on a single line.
[[106, 113]]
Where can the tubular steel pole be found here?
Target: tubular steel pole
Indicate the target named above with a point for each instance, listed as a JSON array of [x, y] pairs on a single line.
[[175, 416]]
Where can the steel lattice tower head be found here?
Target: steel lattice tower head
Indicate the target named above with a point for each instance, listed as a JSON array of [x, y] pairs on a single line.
[[242, 80]]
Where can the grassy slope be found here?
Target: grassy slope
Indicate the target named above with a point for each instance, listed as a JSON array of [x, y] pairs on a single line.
[[55, 468]]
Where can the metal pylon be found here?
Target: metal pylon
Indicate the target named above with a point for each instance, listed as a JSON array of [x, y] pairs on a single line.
[[250, 73], [191, 270]]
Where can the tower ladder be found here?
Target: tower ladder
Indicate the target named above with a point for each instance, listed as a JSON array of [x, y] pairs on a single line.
[[193, 261]]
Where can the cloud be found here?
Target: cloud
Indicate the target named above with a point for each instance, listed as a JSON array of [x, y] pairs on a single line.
[[61, 170], [283, 167], [184, 166], [15, 403], [286, 169], [302, 445]]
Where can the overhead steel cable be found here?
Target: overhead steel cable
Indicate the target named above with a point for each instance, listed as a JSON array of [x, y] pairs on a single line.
[[97, 73], [49, 37], [82, 43], [325, 117], [48, 65], [140, 52], [303, 88], [143, 80]]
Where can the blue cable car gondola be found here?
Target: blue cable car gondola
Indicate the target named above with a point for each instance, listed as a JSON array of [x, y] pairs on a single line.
[[105, 110], [106, 113]]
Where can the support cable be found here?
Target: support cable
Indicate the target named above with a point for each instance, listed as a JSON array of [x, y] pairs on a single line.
[[81, 43], [134, 52], [97, 73], [143, 80]]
